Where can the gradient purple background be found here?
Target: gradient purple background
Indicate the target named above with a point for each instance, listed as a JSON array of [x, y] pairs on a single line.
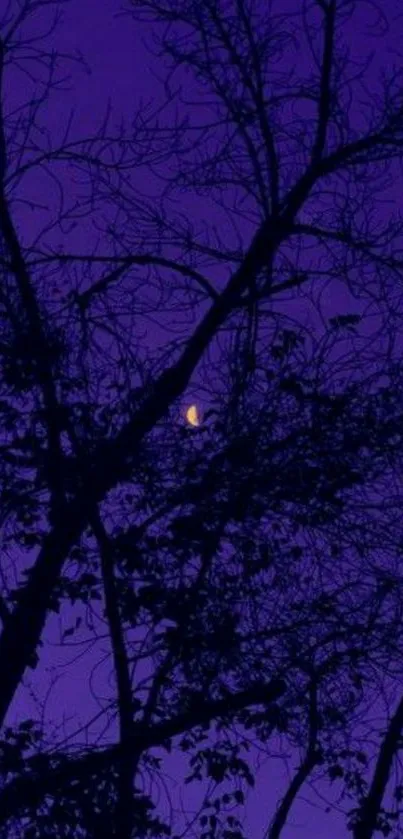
[[121, 70]]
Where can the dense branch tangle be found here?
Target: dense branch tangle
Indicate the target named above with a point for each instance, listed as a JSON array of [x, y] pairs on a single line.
[[234, 48]]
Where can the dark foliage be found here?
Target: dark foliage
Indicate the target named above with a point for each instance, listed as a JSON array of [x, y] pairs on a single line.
[[244, 575]]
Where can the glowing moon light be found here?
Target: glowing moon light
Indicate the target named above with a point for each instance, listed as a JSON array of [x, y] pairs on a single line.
[[192, 415]]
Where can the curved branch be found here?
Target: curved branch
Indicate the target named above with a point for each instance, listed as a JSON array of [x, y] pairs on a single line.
[[370, 809], [123, 680], [110, 463], [30, 789], [325, 80], [125, 263], [303, 771]]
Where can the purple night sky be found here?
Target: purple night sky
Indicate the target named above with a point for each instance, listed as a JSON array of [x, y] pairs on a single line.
[[123, 71]]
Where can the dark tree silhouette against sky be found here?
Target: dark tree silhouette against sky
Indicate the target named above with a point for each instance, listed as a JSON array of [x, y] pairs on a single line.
[[217, 225]]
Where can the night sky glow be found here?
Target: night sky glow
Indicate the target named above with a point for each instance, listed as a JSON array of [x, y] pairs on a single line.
[[168, 219]]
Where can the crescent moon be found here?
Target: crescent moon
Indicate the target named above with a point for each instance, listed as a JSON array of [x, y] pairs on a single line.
[[192, 415]]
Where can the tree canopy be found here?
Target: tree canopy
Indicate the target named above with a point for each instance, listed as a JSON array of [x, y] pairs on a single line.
[[238, 580]]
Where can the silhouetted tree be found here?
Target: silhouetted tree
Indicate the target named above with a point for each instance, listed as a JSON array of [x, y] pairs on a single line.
[[257, 556]]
